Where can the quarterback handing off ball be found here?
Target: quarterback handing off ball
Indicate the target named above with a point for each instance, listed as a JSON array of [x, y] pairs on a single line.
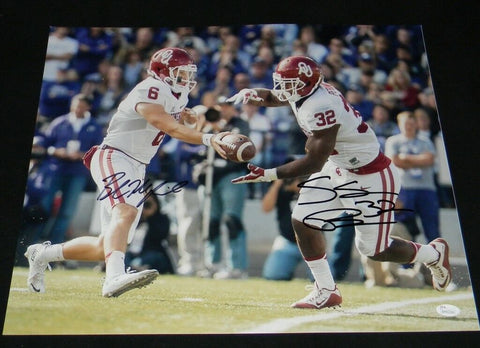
[[239, 147]]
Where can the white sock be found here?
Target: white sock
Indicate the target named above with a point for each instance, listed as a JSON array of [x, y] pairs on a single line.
[[53, 253], [425, 253], [321, 272], [114, 264]]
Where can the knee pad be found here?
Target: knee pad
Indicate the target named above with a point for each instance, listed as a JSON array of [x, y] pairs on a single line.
[[213, 230], [234, 226]]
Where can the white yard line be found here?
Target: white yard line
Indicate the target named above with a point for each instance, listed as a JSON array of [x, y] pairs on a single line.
[[282, 325]]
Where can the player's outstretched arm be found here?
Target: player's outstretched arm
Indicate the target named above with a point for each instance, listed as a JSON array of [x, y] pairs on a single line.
[[156, 115], [318, 148], [256, 96]]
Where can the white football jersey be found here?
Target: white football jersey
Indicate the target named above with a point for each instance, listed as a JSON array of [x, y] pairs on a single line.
[[356, 143], [130, 132]]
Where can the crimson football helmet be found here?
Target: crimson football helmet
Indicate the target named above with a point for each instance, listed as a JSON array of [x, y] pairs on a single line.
[[176, 67], [295, 77]]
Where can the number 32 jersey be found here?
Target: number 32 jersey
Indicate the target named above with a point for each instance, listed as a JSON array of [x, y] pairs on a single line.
[[356, 143], [130, 132]]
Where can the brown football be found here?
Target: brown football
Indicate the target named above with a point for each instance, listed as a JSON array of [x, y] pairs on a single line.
[[239, 147]]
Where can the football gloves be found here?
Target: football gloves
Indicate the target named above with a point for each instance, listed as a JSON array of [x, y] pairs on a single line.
[[257, 174], [244, 96]]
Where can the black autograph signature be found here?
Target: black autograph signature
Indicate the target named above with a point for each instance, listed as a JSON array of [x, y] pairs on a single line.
[[379, 206], [115, 188]]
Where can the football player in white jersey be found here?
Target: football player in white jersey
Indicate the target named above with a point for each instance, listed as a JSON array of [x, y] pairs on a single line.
[[155, 107], [348, 173]]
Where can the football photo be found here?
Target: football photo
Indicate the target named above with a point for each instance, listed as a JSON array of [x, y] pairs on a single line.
[[239, 180]]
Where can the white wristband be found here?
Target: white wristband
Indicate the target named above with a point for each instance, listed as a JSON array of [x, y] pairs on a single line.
[[206, 139], [50, 150], [270, 174]]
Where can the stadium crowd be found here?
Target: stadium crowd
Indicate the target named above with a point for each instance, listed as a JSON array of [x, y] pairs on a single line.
[[381, 70]]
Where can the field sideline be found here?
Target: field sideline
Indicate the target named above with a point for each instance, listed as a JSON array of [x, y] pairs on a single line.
[[73, 305]]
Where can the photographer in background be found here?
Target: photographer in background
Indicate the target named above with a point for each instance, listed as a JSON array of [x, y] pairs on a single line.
[[149, 248], [285, 255], [227, 200]]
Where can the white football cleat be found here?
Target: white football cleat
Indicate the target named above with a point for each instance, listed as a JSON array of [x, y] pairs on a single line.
[[320, 298], [116, 286], [440, 269], [37, 267]]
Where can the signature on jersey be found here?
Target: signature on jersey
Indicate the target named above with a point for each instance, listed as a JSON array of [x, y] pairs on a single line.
[[117, 186], [376, 207]]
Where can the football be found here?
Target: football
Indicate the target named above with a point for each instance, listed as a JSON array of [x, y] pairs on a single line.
[[239, 147]]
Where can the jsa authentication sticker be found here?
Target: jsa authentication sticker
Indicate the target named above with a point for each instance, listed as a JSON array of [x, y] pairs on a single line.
[[448, 310]]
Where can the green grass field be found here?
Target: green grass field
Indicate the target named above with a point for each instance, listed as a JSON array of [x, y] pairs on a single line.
[[73, 305]]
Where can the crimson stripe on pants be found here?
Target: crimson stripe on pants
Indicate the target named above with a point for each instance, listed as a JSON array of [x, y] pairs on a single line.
[[102, 170], [381, 225], [392, 199], [115, 184]]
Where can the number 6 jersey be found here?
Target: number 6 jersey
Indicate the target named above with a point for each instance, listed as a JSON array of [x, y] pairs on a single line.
[[130, 132], [356, 143]]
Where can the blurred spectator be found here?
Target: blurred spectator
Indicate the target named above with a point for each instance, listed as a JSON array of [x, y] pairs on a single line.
[[227, 204], [61, 48], [248, 34], [144, 42], [374, 91], [355, 96], [260, 128], [424, 123], [281, 119], [112, 90], [222, 85], [33, 213], [404, 62], [360, 35], [55, 96], [315, 50], [384, 54], [186, 37], [399, 83], [415, 156], [268, 37], [382, 125], [366, 79], [232, 43], [340, 257], [337, 45], [260, 75], [94, 45], [91, 88], [335, 62], [266, 53], [226, 57], [299, 48], [240, 81], [66, 140], [132, 68], [284, 256], [387, 99], [188, 210], [149, 248], [365, 62], [288, 34], [406, 38], [211, 37]]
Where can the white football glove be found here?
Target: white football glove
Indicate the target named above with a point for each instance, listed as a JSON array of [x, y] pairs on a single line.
[[257, 174], [244, 96]]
